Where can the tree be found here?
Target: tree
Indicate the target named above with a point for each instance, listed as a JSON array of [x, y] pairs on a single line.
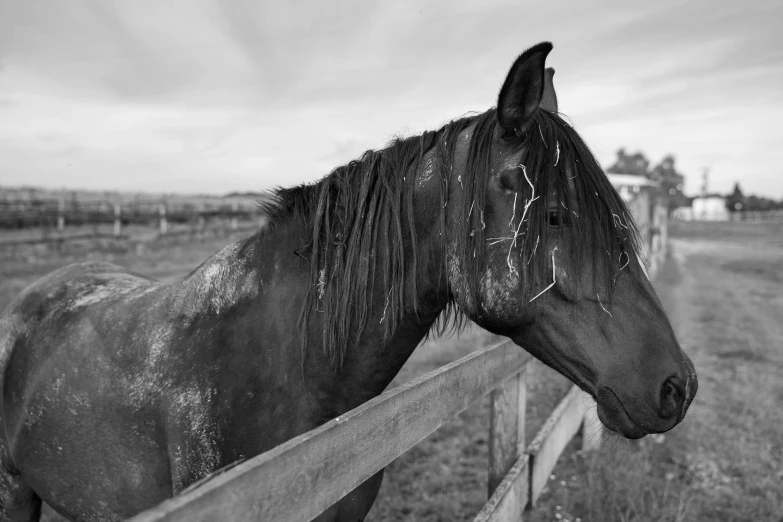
[[671, 181], [635, 164], [736, 201]]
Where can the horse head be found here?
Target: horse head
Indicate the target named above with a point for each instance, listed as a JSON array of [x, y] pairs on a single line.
[[543, 250]]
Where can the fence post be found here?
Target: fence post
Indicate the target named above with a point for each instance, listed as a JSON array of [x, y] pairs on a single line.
[[163, 224], [61, 214], [234, 209], [201, 226], [506, 427], [117, 218], [592, 429]]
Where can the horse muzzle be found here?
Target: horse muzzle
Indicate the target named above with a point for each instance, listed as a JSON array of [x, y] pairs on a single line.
[[659, 414]]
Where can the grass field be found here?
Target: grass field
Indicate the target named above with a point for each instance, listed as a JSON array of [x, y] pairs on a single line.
[[165, 259], [723, 289]]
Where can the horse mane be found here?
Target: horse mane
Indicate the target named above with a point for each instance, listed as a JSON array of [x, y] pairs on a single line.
[[357, 216], [362, 214]]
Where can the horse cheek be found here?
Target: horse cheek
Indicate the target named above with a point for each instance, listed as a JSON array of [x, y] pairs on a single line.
[[501, 295]]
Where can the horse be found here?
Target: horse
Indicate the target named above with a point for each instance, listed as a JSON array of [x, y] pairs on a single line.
[[119, 391]]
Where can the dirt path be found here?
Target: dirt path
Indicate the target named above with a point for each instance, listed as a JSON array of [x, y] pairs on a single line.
[[727, 309]]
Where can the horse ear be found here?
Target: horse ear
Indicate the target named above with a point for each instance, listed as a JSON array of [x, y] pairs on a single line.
[[523, 89], [549, 99]]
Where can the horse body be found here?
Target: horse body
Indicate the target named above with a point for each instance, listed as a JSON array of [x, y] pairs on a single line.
[[119, 391], [152, 387]]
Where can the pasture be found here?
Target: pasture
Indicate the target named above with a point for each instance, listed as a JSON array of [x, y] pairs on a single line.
[[723, 289]]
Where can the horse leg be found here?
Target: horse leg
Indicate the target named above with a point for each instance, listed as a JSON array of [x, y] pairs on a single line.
[[18, 503], [354, 506]]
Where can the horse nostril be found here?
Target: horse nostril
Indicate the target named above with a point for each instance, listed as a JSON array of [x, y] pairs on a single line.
[[672, 397]]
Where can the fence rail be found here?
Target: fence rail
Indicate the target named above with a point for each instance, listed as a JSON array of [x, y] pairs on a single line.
[[53, 215], [60, 222], [301, 478]]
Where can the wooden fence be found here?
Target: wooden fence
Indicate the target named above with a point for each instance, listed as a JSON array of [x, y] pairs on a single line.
[[59, 213], [756, 216], [64, 220], [651, 214], [301, 478]]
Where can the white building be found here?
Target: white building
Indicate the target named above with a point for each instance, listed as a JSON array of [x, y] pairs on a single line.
[[628, 185], [709, 208]]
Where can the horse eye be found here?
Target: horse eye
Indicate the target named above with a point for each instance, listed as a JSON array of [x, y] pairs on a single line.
[[554, 219], [511, 136]]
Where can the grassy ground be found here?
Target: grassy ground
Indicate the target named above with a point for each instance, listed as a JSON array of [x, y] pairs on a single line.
[[725, 463], [165, 259], [10, 239], [723, 288]]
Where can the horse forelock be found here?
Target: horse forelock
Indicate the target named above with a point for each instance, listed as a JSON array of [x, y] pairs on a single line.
[[600, 229]]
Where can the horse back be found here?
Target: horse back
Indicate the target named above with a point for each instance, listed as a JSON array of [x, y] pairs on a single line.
[[58, 310], [64, 290]]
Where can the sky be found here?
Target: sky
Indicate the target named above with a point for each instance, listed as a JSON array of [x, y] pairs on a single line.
[[216, 96]]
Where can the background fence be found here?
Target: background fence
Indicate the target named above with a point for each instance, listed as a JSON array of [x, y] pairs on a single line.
[[29, 220], [649, 207]]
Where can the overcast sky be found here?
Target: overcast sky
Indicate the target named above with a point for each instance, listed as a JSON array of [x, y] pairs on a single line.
[[223, 95]]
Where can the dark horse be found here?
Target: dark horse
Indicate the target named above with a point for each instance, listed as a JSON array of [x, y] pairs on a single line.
[[119, 392]]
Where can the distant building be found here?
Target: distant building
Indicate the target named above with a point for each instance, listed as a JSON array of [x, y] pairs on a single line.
[[628, 185], [711, 207], [683, 213]]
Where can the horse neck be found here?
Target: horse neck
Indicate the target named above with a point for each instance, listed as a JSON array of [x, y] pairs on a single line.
[[369, 365]]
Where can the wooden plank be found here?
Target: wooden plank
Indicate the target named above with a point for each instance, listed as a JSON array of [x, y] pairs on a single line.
[[592, 429], [306, 475], [522, 409], [57, 239], [506, 428], [557, 431], [511, 496]]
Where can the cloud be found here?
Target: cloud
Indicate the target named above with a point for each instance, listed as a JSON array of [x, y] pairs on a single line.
[[221, 95]]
